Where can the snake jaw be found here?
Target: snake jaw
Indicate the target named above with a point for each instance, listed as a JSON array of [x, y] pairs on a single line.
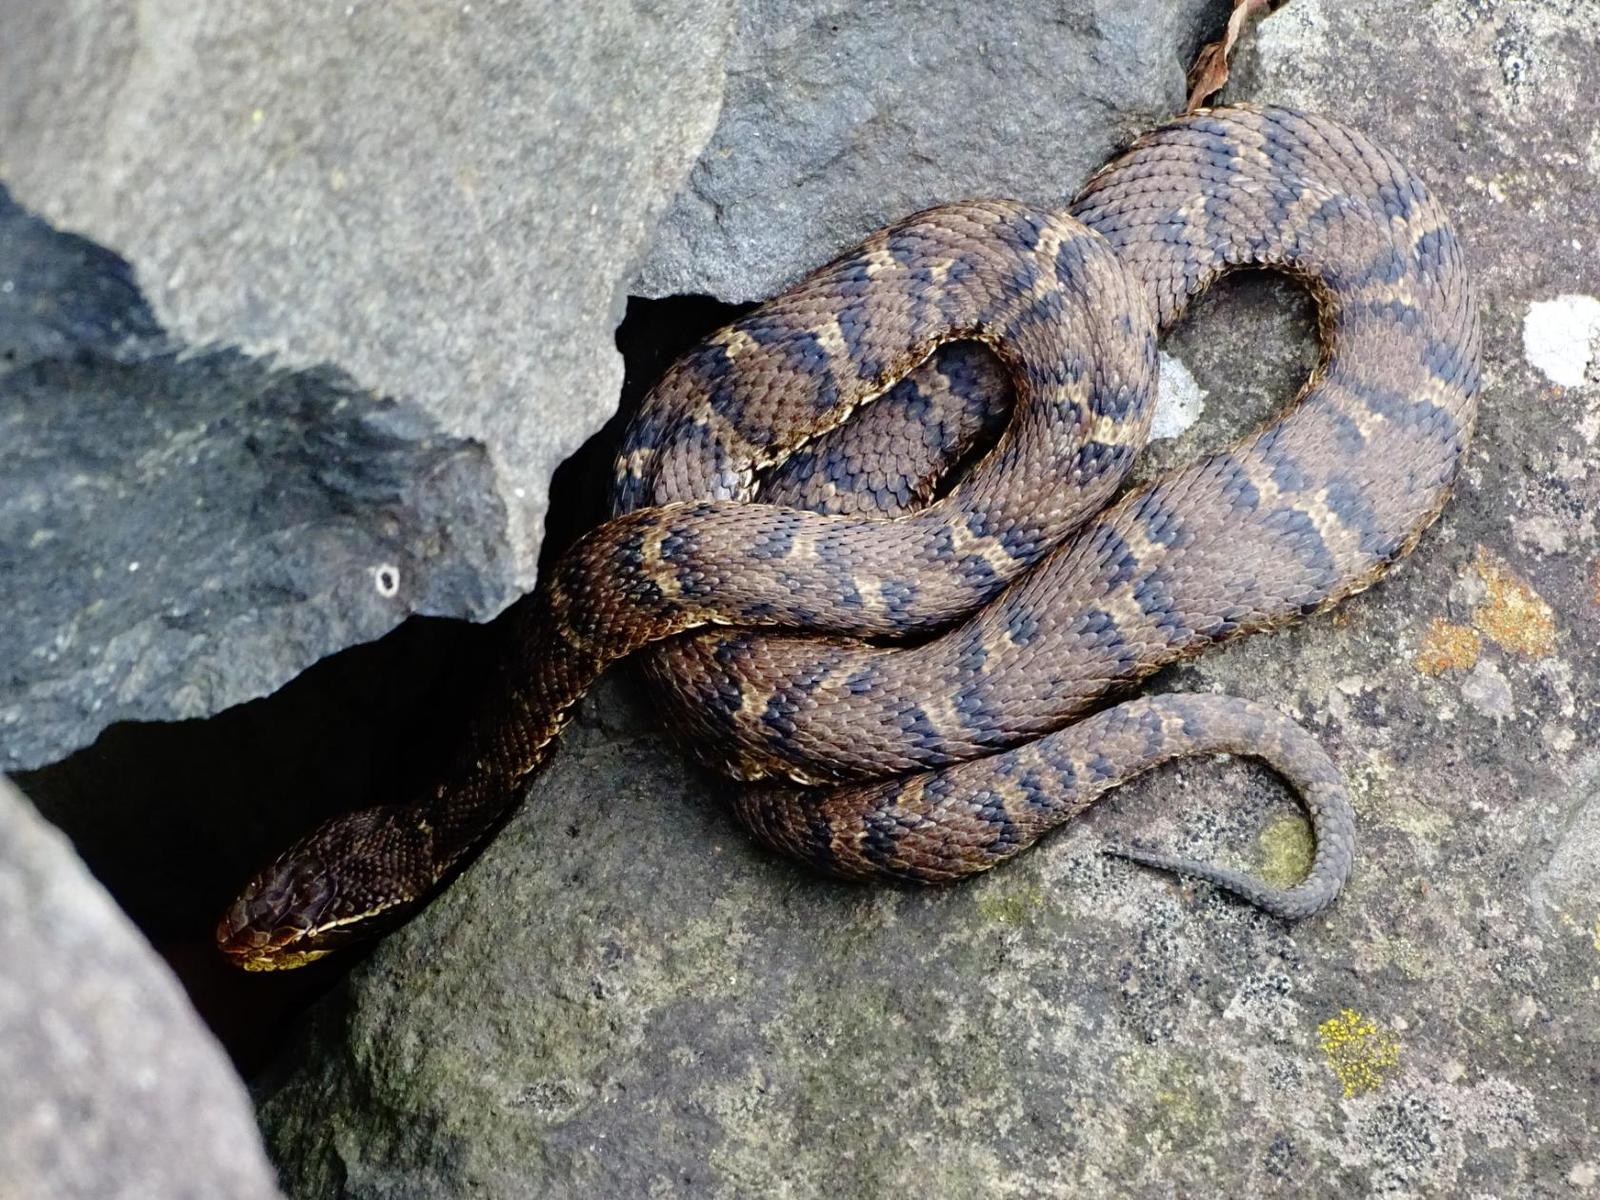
[[277, 960]]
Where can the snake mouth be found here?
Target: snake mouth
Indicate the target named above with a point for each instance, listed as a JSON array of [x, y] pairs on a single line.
[[253, 948]]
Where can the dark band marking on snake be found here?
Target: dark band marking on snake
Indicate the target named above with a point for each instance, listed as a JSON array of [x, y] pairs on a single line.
[[957, 751]]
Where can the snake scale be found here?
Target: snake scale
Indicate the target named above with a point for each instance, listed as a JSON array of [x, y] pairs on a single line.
[[899, 669]]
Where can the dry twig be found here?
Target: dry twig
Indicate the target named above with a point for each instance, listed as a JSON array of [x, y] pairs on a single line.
[[1210, 70]]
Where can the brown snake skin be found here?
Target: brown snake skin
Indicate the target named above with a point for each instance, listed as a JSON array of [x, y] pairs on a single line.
[[1022, 600]]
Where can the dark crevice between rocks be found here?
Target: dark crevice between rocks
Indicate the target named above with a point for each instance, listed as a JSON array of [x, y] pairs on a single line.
[[173, 816], [653, 333]]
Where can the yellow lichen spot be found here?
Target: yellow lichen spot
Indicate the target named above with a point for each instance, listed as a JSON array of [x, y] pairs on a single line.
[[1592, 932], [1286, 848], [1359, 1051], [1512, 613], [1447, 646], [1009, 908]]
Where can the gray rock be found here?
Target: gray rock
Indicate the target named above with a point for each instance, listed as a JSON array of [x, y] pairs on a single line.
[[840, 118], [622, 997], [113, 1088], [183, 531], [63, 296], [443, 202]]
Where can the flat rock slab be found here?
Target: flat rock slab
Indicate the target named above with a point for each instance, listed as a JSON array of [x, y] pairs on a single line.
[[622, 997], [113, 1090]]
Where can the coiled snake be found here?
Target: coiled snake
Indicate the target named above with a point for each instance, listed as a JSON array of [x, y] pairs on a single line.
[[944, 755]]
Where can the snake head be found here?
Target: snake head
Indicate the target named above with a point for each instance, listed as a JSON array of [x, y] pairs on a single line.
[[346, 880]]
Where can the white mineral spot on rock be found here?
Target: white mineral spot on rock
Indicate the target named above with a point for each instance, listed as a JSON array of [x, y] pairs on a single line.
[[1589, 424], [1559, 738], [1179, 399], [386, 578], [1562, 337], [1487, 691], [1467, 590], [1541, 532]]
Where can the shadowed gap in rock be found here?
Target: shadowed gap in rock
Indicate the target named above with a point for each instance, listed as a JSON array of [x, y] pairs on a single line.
[[652, 335], [172, 817]]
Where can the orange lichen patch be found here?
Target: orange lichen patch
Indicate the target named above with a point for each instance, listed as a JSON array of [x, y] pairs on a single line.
[[1512, 613], [1360, 1051], [1447, 646]]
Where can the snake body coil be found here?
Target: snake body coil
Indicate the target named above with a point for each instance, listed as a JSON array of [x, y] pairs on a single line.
[[930, 760]]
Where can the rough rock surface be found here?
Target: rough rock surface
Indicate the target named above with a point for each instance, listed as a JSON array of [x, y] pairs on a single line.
[[180, 531], [452, 225], [113, 1089], [841, 117], [622, 997]]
